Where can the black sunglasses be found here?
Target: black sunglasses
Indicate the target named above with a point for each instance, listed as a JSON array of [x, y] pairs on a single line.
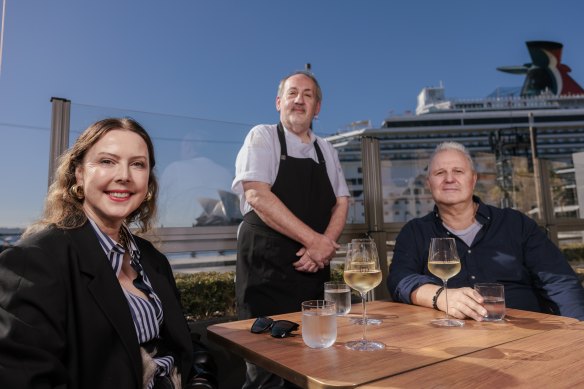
[[279, 328]]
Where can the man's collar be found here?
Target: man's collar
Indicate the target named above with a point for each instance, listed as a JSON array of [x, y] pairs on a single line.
[[310, 133], [482, 214]]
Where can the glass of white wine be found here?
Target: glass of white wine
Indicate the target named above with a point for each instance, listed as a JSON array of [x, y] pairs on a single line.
[[444, 263], [362, 273], [373, 251]]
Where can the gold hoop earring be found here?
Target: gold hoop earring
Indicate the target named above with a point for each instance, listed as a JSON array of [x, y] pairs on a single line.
[[77, 192], [148, 196]]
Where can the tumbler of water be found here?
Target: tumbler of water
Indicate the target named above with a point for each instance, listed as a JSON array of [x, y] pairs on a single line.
[[340, 294], [319, 323], [494, 295]]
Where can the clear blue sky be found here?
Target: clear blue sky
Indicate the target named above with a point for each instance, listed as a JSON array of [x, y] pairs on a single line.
[[222, 60]]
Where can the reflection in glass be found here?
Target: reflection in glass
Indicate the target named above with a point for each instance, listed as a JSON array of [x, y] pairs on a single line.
[[195, 160], [195, 190]]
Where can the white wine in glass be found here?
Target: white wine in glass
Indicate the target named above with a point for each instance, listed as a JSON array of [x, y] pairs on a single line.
[[367, 320], [362, 273], [444, 263]]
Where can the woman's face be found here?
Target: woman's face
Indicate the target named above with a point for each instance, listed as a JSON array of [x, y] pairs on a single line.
[[114, 175]]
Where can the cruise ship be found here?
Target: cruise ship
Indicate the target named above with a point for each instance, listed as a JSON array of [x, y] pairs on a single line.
[[505, 132]]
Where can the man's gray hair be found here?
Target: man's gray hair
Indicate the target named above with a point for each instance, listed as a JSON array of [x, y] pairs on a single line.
[[307, 74], [445, 146]]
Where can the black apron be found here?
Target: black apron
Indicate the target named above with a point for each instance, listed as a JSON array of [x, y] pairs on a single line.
[[266, 281]]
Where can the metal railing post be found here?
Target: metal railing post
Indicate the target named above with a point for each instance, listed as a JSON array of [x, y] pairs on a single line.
[[548, 217], [373, 202], [60, 121]]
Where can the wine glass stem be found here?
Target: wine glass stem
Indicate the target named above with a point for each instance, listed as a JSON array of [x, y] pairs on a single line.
[[364, 316], [446, 295]]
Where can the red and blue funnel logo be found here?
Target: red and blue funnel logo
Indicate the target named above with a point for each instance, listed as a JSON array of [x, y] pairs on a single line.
[[546, 73]]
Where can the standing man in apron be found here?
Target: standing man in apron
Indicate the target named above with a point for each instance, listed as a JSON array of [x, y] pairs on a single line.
[[294, 199]]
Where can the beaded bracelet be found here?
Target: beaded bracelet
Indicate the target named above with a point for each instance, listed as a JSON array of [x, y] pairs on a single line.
[[435, 298]]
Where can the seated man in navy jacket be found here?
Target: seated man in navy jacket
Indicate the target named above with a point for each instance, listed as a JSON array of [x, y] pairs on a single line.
[[494, 245]]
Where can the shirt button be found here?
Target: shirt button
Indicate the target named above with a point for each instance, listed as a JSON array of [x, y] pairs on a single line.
[[469, 251], [472, 277]]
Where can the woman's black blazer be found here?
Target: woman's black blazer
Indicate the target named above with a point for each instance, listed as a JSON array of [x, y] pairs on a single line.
[[64, 319]]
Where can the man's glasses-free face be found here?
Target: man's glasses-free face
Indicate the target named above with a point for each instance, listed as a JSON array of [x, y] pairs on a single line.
[[279, 328]]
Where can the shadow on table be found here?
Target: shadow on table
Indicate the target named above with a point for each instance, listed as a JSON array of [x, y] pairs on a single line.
[[534, 324], [375, 315]]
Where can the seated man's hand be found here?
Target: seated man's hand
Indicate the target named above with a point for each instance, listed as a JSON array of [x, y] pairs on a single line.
[[463, 303]]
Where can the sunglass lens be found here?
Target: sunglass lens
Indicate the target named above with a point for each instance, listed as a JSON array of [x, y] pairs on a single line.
[[282, 328], [261, 324]]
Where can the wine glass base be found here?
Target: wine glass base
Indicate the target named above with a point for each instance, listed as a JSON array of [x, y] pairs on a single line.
[[369, 321], [447, 323], [364, 345]]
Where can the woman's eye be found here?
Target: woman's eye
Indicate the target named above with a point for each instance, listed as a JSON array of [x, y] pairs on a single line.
[[106, 162]]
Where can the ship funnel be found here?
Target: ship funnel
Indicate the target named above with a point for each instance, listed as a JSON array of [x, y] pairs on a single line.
[[546, 73]]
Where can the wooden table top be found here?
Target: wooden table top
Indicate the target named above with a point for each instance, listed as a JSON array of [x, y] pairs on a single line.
[[412, 343], [551, 359]]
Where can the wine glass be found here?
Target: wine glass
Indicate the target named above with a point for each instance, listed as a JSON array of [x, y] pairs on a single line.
[[373, 251], [444, 263], [362, 273]]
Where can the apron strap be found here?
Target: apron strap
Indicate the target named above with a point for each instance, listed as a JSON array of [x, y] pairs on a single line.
[[282, 138], [284, 149]]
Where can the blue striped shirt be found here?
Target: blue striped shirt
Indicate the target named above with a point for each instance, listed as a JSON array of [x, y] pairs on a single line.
[[147, 314]]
